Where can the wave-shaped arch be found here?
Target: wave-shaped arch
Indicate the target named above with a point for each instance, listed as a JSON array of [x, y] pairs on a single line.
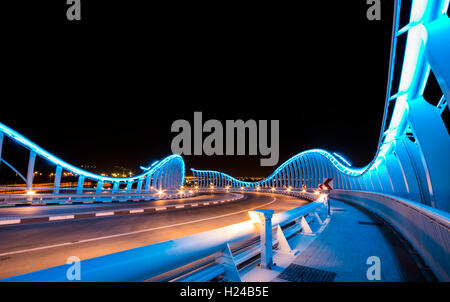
[[168, 172], [412, 156], [306, 168]]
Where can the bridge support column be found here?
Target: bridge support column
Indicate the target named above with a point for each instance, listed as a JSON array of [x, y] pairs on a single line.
[[30, 172], [115, 188], [437, 49], [1, 146], [139, 186], [99, 187], [129, 184], [80, 184], [265, 220], [57, 180], [147, 183]]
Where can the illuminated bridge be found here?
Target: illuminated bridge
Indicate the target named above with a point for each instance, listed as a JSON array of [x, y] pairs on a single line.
[[166, 174], [395, 209], [412, 158]]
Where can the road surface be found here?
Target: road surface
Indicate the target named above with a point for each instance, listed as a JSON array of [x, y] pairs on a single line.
[[30, 247]]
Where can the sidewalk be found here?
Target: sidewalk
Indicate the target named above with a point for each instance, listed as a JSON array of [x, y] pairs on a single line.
[[339, 252]]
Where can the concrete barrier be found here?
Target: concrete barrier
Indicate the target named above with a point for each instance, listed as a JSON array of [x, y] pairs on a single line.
[[426, 228]]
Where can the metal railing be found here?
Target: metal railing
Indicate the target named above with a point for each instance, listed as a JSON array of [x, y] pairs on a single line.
[[87, 197], [212, 255]]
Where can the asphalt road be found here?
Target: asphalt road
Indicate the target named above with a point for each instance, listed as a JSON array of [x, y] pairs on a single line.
[[23, 211], [30, 247]]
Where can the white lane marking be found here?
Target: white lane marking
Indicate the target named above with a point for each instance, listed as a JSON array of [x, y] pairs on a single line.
[[179, 207], [9, 221], [134, 232], [160, 208], [104, 213], [61, 217]]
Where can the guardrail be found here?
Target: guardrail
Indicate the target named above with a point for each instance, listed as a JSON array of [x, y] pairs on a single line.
[[309, 194], [212, 255], [426, 228], [39, 199]]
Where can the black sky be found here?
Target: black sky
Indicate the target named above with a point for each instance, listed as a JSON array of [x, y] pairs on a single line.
[[105, 91]]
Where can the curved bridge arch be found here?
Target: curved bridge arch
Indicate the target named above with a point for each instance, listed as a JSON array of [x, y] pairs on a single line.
[[304, 168], [412, 159], [167, 173]]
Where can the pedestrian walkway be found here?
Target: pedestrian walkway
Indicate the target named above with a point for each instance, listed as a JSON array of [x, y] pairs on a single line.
[[340, 252]]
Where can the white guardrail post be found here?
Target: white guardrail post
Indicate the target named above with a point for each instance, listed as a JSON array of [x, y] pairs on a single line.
[[265, 235], [206, 256], [50, 198]]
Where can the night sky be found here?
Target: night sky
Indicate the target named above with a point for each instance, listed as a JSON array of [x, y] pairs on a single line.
[[106, 90]]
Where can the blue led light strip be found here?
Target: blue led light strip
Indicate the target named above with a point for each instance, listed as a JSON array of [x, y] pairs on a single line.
[[55, 160], [343, 159], [342, 168]]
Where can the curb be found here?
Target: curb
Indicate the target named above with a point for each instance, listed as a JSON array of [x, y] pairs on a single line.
[[33, 219], [68, 202]]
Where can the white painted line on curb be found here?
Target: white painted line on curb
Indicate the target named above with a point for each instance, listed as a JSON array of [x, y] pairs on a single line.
[[104, 214], [131, 211], [62, 217], [136, 211], [10, 221]]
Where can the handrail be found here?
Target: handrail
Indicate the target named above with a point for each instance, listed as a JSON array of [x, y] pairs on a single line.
[[18, 199], [145, 262]]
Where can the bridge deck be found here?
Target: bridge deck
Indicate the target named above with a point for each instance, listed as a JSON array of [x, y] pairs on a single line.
[[339, 253]]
